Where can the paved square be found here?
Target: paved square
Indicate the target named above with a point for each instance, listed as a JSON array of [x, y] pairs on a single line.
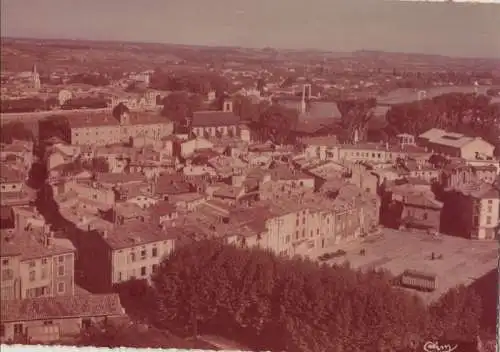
[[463, 261]]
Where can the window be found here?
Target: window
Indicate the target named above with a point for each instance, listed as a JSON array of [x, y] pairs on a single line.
[[32, 264], [488, 220], [61, 258], [296, 234], [44, 273], [120, 276], [7, 274], [155, 252], [44, 261], [61, 287], [303, 233], [425, 216], [490, 208], [60, 270], [132, 257], [32, 275], [2, 330], [143, 254], [490, 201], [143, 271], [297, 222], [5, 262], [48, 322], [303, 221], [154, 268]]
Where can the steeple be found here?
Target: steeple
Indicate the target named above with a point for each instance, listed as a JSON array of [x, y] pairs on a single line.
[[35, 78]]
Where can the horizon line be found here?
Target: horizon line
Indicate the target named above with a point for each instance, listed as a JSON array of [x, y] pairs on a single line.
[[329, 51]]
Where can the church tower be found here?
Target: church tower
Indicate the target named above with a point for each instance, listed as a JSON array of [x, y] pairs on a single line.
[[35, 78]]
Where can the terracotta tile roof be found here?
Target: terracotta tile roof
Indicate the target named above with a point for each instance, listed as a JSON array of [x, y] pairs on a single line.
[[9, 174], [171, 184], [92, 120], [214, 119], [27, 245], [135, 233], [162, 208], [284, 173], [45, 308], [120, 178]]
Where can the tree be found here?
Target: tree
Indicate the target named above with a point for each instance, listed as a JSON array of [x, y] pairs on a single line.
[[245, 109], [53, 126], [100, 164], [274, 303], [355, 115], [178, 106], [15, 130], [276, 123]]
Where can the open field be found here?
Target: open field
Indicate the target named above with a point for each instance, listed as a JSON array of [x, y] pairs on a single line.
[[464, 261]]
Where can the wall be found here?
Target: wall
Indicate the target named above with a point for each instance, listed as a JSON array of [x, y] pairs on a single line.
[[123, 268], [46, 275], [10, 277]]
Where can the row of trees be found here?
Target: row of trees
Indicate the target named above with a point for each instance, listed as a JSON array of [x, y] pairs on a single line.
[[273, 303], [27, 105], [192, 82], [97, 80], [10, 131], [37, 104], [460, 112]]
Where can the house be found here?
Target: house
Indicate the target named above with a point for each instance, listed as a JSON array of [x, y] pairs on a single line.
[[48, 319], [163, 211], [320, 147], [479, 209], [123, 252], [170, 184], [34, 266], [11, 179], [216, 123], [456, 175], [420, 210]]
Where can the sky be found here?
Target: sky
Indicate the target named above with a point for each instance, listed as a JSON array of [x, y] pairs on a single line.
[[467, 30]]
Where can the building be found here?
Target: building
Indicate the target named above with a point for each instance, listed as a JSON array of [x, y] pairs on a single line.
[[456, 145], [35, 266], [479, 209], [124, 252], [420, 210], [208, 124], [455, 176], [321, 148], [103, 128], [48, 319]]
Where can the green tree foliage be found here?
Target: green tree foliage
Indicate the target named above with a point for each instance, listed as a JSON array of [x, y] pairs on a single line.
[[275, 122], [355, 115], [100, 164], [455, 111], [97, 80], [15, 130], [177, 106], [197, 83], [22, 105], [85, 103], [274, 303], [53, 126]]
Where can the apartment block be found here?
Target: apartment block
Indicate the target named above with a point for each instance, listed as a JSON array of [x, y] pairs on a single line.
[[32, 265]]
